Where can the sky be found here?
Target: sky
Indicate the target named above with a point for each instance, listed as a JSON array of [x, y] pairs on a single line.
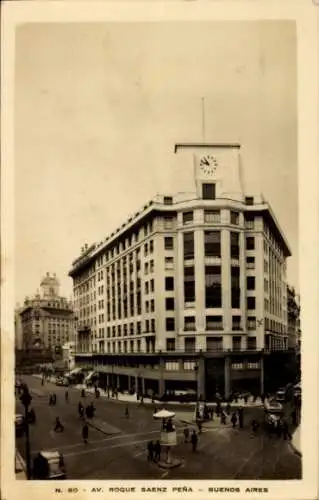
[[99, 107]]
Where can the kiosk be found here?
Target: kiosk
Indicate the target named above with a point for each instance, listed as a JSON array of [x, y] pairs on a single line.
[[168, 436]]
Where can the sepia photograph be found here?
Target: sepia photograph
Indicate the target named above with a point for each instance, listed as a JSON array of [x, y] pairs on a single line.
[[157, 303]]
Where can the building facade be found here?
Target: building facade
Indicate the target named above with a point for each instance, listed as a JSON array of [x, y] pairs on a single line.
[[191, 291], [47, 318]]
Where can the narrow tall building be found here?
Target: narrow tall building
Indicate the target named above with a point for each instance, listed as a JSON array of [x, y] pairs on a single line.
[[190, 292]]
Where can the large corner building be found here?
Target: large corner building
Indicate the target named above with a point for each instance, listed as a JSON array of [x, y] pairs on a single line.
[[190, 292]]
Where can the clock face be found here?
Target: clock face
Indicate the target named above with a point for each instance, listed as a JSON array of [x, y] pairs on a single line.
[[208, 164]]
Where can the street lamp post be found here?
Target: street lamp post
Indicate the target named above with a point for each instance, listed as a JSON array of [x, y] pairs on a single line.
[[26, 399]]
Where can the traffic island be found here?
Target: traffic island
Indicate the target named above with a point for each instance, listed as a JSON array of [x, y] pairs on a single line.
[[102, 426], [172, 464]]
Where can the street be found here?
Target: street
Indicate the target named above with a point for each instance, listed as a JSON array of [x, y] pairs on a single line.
[[120, 452]]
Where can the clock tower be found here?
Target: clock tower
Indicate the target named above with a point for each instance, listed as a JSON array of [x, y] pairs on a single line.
[[217, 165]]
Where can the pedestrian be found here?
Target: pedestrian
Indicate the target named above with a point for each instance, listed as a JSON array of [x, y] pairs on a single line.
[[85, 433], [67, 396], [54, 399], [245, 399], [97, 393], [58, 426], [218, 408], [186, 434], [127, 415], [194, 440], [157, 451], [199, 425], [234, 419], [50, 400], [228, 409], [212, 413], [241, 417], [254, 426], [150, 449], [83, 393]]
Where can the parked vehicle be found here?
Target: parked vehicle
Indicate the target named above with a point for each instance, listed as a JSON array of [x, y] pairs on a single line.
[[19, 424], [49, 465], [180, 396], [62, 381]]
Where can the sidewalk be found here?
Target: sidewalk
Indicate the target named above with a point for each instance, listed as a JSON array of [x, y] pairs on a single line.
[[132, 398], [187, 417]]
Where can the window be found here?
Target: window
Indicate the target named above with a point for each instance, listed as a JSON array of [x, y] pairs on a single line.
[[249, 221], [170, 344], [214, 323], [147, 306], [250, 283], [153, 329], [169, 304], [172, 366], [170, 324], [213, 288], [212, 216], [168, 200], [151, 246], [169, 263], [237, 366], [189, 365], [212, 244], [214, 343], [236, 323], [250, 243], [190, 344], [209, 191], [131, 328], [234, 245], [138, 345], [266, 285], [146, 287], [188, 217], [145, 249], [251, 303], [168, 243], [152, 305], [249, 200], [168, 222], [251, 323], [189, 324], [151, 266], [125, 331], [250, 262], [146, 268], [152, 286], [138, 327], [188, 245], [236, 343], [235, 287], [234, 218], [169, 283], [253, 365], [251, 343], [119, 332]]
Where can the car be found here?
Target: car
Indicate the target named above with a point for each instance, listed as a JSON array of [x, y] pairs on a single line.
[[49, 465], [19, 424], [62, 381]]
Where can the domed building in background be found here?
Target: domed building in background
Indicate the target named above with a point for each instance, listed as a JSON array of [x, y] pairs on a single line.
[[47, 319]]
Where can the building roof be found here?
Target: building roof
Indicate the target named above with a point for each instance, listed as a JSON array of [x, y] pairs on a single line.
[[50, 280]]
